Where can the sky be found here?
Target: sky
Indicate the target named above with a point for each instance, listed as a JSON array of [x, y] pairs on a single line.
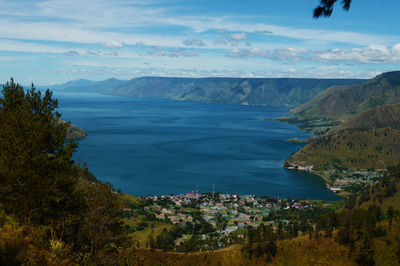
[[53, 41]]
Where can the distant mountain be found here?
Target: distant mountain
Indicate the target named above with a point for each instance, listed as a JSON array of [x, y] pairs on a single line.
[[75, 83], [342, 102], [254, 91], [83, 85]]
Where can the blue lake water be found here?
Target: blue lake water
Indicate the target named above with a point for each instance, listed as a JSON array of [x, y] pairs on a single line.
[[159, 147]]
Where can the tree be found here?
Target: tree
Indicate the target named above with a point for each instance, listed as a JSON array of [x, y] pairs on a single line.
[[44, 192], [99, 234], [37, 176], [364, 255], [325, 7]]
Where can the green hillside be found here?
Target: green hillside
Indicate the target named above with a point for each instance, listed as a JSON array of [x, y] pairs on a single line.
[[254, 91], [373, 118], [352, 149], [340, 102]]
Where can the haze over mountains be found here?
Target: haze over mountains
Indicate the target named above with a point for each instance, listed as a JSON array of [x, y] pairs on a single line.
[[253, 91]]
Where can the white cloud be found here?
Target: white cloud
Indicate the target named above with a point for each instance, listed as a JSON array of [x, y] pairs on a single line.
[[79, 22], [396, 53], [221, 41], [373, 54], [290, 54], [263, 32], [239, 36], [100, 53], [112, 44], [140, 44], [45, 29], [194, 42], [71, 53], [232, 39], [247, 53], [180, 52]]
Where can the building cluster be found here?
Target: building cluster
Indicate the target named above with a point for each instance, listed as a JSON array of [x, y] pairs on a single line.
[[238, 211]]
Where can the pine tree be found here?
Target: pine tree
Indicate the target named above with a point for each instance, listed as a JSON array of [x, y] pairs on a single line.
[[37, 177]]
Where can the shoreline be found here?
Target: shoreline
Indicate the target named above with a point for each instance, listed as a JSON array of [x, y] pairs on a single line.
[[310, 169]]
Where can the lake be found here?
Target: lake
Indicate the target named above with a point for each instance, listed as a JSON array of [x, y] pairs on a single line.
[[162, 147]]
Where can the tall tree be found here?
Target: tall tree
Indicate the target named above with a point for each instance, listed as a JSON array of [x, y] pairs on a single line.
[[37, 177]]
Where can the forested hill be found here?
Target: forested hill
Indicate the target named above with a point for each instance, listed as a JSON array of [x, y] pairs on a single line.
[[253, 91], [340, 102], [352, 149], [373, 118]]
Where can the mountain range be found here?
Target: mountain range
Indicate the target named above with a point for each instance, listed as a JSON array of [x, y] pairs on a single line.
[[253, 91]]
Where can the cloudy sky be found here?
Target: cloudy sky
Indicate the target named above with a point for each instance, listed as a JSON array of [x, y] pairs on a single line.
[[53, 41]]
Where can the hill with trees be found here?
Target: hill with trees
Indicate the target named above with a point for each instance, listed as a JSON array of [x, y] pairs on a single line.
[[342, 102], [355, 123], [351, 149], [373, 118]]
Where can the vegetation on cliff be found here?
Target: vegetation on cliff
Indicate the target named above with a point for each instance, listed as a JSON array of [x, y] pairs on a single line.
[[359, 124], [352, 149], [340, 102], [373, 118]]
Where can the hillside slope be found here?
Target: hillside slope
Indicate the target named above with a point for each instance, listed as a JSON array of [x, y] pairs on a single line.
[[373, 118], [254, 91], [386, 194], [340, 102], [298, 251], [352, 149]]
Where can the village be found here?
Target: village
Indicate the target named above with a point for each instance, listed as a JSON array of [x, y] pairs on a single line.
[[343, 181], [218, 216]]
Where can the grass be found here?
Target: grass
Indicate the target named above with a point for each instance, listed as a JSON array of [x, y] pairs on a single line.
[[142, 236], [298, 251], [129, 198]]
